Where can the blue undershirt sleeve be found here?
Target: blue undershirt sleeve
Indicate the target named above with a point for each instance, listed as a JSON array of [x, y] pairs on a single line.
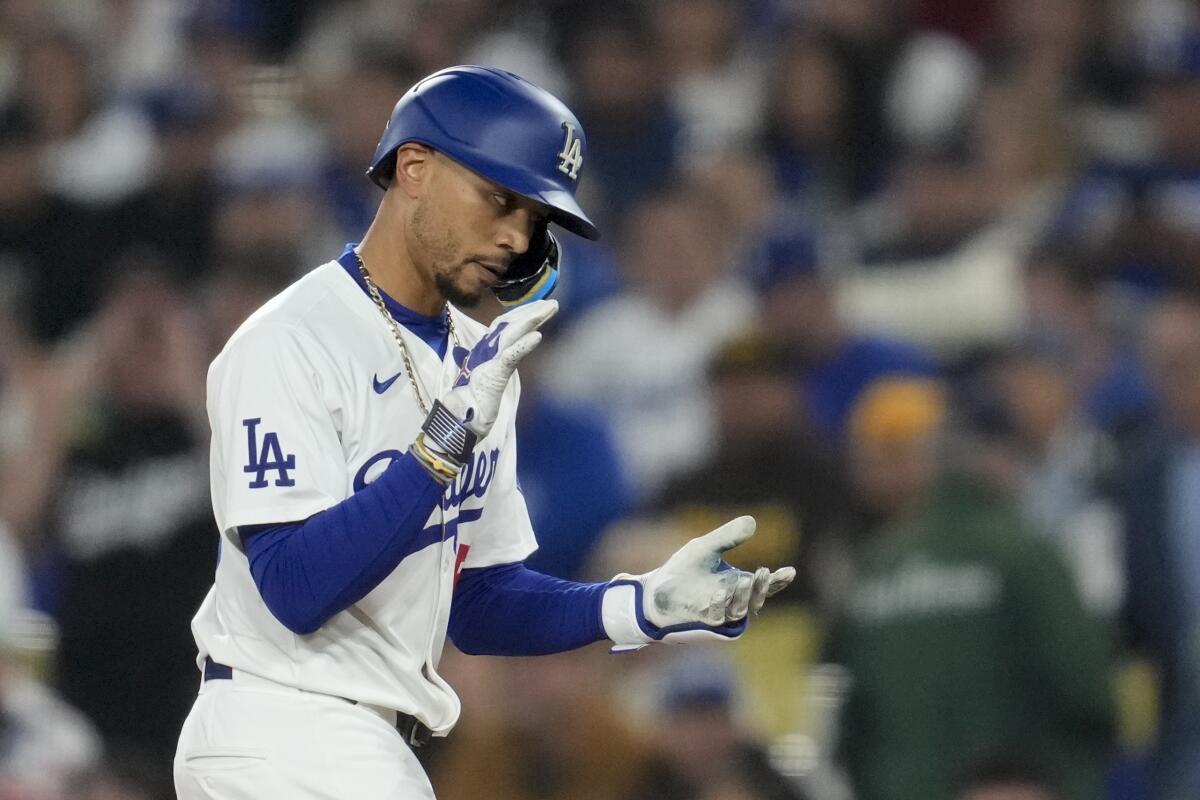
[[510, 610], [308, 571]]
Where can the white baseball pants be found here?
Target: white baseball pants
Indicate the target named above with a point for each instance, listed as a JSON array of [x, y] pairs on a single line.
[[250, 739]]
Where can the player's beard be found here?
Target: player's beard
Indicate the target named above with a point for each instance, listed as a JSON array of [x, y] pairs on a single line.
[[446, 280], [441, 247]]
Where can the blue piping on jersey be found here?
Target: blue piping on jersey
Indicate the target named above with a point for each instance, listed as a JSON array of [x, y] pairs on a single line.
[[433, 330]]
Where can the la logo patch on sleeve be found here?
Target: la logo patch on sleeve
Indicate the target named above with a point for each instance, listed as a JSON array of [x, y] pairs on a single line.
[[268, 458]]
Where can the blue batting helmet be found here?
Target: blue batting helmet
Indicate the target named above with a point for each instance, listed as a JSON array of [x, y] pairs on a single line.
[[500, 126]]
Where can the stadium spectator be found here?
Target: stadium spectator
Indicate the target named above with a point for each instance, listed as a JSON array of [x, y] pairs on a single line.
[[933, 205], [741, 184], [1068, 468], [235, 287], [54, 252], [377, 75], [1132, 207], [39, 405], [547, 727], [685, 301], [893, 458], [567, 452], [175, 213], [45, 745], [716, 80], [806, 129], [963, 632], [1056, 51], [832, 363], [1163, 543], [267, 171], [93, 149], [1071, 306], [868, 37], [130, 520], [220, 62], [634, 135], [1025, 154], [706, 753], [766, 462]]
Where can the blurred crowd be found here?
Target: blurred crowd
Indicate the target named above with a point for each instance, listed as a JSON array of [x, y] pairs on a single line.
[[915, 282]]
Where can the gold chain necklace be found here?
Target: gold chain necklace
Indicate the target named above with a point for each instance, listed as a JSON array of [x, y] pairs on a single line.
[[395, 326]]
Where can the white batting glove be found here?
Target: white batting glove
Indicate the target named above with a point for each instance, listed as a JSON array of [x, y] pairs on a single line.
[[695, 595], [467, 412]]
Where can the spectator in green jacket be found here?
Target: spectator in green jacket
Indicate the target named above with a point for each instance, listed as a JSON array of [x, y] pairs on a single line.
[[962, 632]]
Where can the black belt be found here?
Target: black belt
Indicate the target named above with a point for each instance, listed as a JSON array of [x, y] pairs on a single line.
[[411, 729]]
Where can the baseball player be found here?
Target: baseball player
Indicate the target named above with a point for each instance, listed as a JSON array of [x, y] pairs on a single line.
[[364, 471]]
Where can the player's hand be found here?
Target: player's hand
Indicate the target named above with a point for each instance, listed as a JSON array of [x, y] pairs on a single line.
[[696, 585], [695, 592], [484, 372], [466, 413]]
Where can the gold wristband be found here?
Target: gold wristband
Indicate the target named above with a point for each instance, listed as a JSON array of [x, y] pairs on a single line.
[[442, 469]]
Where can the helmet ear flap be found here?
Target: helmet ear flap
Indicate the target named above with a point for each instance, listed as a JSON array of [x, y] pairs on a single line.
[[533, 274], [383, 171]]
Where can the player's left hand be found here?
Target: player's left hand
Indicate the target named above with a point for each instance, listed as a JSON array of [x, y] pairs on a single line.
[[695, 592], [486, 369]]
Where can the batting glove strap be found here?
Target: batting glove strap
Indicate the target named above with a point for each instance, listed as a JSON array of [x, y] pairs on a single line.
[[448, 436], [625, 622]]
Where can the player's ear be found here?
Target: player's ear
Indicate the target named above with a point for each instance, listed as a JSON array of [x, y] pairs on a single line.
[[414, 163]]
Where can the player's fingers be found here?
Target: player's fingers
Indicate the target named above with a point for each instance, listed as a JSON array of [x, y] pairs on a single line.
[[739, 601], [529, 317], [717, 603], [548, 309], [522, 347], [780, 579], [728, 536], [758, 594]]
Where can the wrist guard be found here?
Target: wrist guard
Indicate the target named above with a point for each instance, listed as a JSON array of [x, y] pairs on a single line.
[[444, 443], [622, 613]]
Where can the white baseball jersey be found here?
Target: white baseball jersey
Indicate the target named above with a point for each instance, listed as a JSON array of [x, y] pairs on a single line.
[[309, 401]]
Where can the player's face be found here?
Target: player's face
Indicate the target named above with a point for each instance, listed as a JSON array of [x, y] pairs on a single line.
[[468, 229]]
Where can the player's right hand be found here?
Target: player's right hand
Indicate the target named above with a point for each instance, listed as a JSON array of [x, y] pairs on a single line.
[[696, 585], [466, 413]]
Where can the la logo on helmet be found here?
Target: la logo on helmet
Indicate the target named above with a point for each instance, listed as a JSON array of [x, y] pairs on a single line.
[[570, 159]]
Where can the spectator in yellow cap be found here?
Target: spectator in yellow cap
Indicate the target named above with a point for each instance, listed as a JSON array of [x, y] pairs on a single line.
[[895, 434]]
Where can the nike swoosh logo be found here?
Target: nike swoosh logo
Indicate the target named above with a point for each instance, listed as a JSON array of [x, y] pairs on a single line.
[[381, 387]]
